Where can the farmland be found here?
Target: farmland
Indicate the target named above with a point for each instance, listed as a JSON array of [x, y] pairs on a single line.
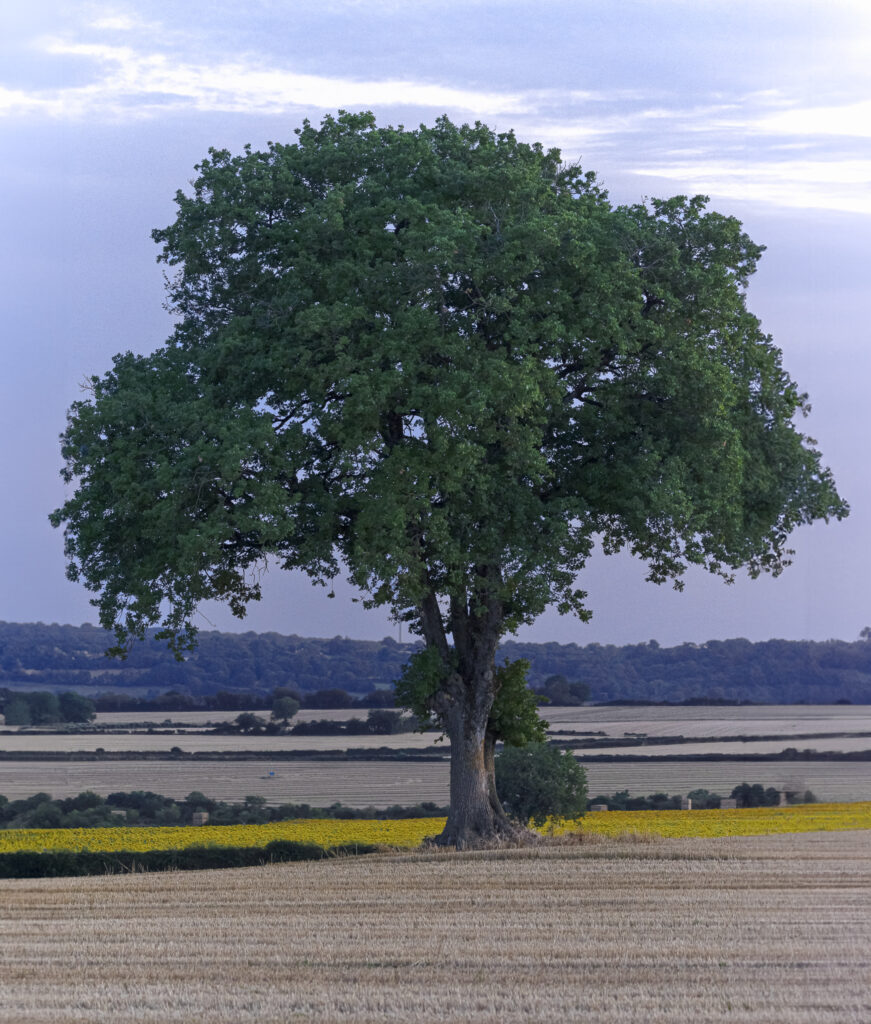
[[319, 783], [379, 782], [660, 931], [411, 832], [784, 720], [780, 719], [200, 741]]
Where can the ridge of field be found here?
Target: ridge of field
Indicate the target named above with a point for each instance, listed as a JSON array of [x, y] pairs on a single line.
[[829, 723], [193, 742], [733, 748], [785, 719], [780, 719], [383, 783], [204, 717], [200, 742], [666, 931], [318, 783]]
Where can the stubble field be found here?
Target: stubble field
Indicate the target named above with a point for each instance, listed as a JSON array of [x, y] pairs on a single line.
[[382, 783], [768, 930]]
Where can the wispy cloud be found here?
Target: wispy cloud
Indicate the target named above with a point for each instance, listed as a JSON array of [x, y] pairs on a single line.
[[810, 184], [767, 145], [119, 21], [128, 83], [849, 119]]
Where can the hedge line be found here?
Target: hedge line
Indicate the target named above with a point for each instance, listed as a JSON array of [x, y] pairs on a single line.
[[62, 863]]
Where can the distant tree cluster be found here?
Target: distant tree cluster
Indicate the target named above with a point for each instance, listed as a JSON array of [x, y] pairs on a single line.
[[141, 807], [534, 783], [622, 801], [231, 671], [556, 689], [248, 700], [746, 794], [774, 671], [45, 708], [74, 656], [379, 722]]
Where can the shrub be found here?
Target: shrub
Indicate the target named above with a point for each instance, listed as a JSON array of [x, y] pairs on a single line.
[[703, 799], [58, 863], [538, 781], [755, 795]]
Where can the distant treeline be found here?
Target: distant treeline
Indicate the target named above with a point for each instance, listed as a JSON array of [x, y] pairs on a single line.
[[776, 671], [142, 807]]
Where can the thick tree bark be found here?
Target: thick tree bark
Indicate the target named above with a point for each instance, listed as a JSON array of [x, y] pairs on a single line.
[[476, 817], [490, 769]]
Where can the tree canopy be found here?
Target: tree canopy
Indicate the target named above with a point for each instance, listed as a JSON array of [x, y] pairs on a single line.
[[442, 361]]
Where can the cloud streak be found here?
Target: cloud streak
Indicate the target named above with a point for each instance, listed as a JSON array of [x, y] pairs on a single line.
[[805, 184], [127, 83], [762, 146]]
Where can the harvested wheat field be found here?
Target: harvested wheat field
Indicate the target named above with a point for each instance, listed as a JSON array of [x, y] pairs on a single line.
[[768, 930], [381, 783]]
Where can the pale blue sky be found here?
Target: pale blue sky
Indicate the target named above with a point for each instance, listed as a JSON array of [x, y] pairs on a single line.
[[766, 106]]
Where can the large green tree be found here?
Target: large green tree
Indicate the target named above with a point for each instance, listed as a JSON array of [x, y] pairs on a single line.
[[441, 361]]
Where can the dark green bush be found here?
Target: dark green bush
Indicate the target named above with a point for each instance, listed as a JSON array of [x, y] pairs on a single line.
[[61, 863], [538, 781], [755, 795]]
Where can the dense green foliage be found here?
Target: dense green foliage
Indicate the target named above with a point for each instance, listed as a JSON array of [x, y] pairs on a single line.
[[240, 670], [538, 781], [444, 358], [42, 707], [65, 863], [284, 708], [441, 361], [755, 795], [513, 718]]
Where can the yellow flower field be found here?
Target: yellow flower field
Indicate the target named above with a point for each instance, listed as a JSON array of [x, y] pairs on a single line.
[[410, 832], [323, 831], [752, 821]]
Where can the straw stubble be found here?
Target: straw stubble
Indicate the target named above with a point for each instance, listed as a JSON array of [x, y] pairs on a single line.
[[770, 930]]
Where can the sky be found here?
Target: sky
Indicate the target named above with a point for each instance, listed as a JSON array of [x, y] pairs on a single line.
[[765, 106]]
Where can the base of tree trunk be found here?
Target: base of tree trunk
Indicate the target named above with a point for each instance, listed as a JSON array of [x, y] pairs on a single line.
[[500, 834]]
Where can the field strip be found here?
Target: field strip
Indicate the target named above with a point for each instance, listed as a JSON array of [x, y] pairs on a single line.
[[193, 742], [779, 719], [200, 742], [410, 832], [828, 780], [768, 930], [319, 783], [381, 783], [714, 747]]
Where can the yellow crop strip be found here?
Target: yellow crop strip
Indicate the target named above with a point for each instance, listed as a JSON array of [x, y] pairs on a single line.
[[751, 821], [410, 832], [325, 832]]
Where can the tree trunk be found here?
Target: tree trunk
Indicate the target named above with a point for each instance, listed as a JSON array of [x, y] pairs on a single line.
[[463, 706], [476, 817]]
